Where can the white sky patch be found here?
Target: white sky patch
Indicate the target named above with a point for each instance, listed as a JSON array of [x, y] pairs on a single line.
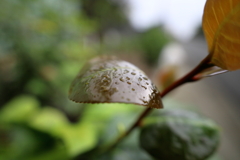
[[180, 17]]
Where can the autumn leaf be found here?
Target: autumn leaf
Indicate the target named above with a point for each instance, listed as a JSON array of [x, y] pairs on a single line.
[[105, 80], [221, 25]]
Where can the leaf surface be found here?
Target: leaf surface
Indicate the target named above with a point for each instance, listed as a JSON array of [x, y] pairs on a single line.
[[179, 134], [221, 25], [105, 80]]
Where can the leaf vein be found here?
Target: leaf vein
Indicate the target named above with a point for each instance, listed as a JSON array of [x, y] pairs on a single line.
[[230, 38], [214, 12]]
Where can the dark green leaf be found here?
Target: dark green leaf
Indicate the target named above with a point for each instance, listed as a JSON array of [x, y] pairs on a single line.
[[180, 135], [108, 80]]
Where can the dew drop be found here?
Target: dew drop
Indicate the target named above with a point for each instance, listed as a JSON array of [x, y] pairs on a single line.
[[103, 88], [133, 73], [143, 101], [128, 99], [133, 89], [126, 71], [140, 79], [127, 78], [115, 89], [147, 83], [105, 80], [129, 83], [121, 79], [106, 76], [145, 78], [116, 83], [144, 87]]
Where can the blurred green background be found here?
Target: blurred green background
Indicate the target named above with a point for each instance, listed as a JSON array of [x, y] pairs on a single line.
[[43, 44]]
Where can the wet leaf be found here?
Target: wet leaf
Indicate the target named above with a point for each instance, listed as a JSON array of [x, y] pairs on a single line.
[[109, 80], [221, 25], [179, 134]]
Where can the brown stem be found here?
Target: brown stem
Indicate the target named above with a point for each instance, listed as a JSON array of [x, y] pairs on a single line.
[[190, 77]]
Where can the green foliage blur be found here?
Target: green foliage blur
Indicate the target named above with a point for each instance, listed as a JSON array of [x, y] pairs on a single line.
[[43, 44]]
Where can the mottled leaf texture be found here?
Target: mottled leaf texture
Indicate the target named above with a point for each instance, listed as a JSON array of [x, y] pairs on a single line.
[[109, 80], [221, 25], [179, 135]]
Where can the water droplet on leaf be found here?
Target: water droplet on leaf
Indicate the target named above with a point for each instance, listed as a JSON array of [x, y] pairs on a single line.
[[121, 79], [133, 73], [106, 87]]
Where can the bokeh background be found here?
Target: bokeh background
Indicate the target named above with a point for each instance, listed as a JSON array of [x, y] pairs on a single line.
[[43, 45]]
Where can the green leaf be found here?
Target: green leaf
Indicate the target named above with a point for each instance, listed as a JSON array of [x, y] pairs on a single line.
[[26, 142], [108, 80], [181, 135], [49, 120], [20, 109], [77, 138], [105, 112]]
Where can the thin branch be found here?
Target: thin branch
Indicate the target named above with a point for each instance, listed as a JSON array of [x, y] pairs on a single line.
[[190, 77]]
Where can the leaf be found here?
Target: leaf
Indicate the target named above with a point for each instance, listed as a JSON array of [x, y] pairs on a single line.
[[77, 138], [19, 110], [221, 25], [108, 80], [179, 134]]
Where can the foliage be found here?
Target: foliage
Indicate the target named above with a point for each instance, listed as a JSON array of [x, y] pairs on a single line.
[[106, 13], [42, 46], [151, 42], [222, 31], [179, 134], [38, 45]]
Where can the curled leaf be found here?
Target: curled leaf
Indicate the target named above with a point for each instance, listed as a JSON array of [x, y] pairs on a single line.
[[105, 80], [221, 25]]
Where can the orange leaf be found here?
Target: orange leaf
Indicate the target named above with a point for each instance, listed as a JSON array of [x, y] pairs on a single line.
[[221, 25]]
